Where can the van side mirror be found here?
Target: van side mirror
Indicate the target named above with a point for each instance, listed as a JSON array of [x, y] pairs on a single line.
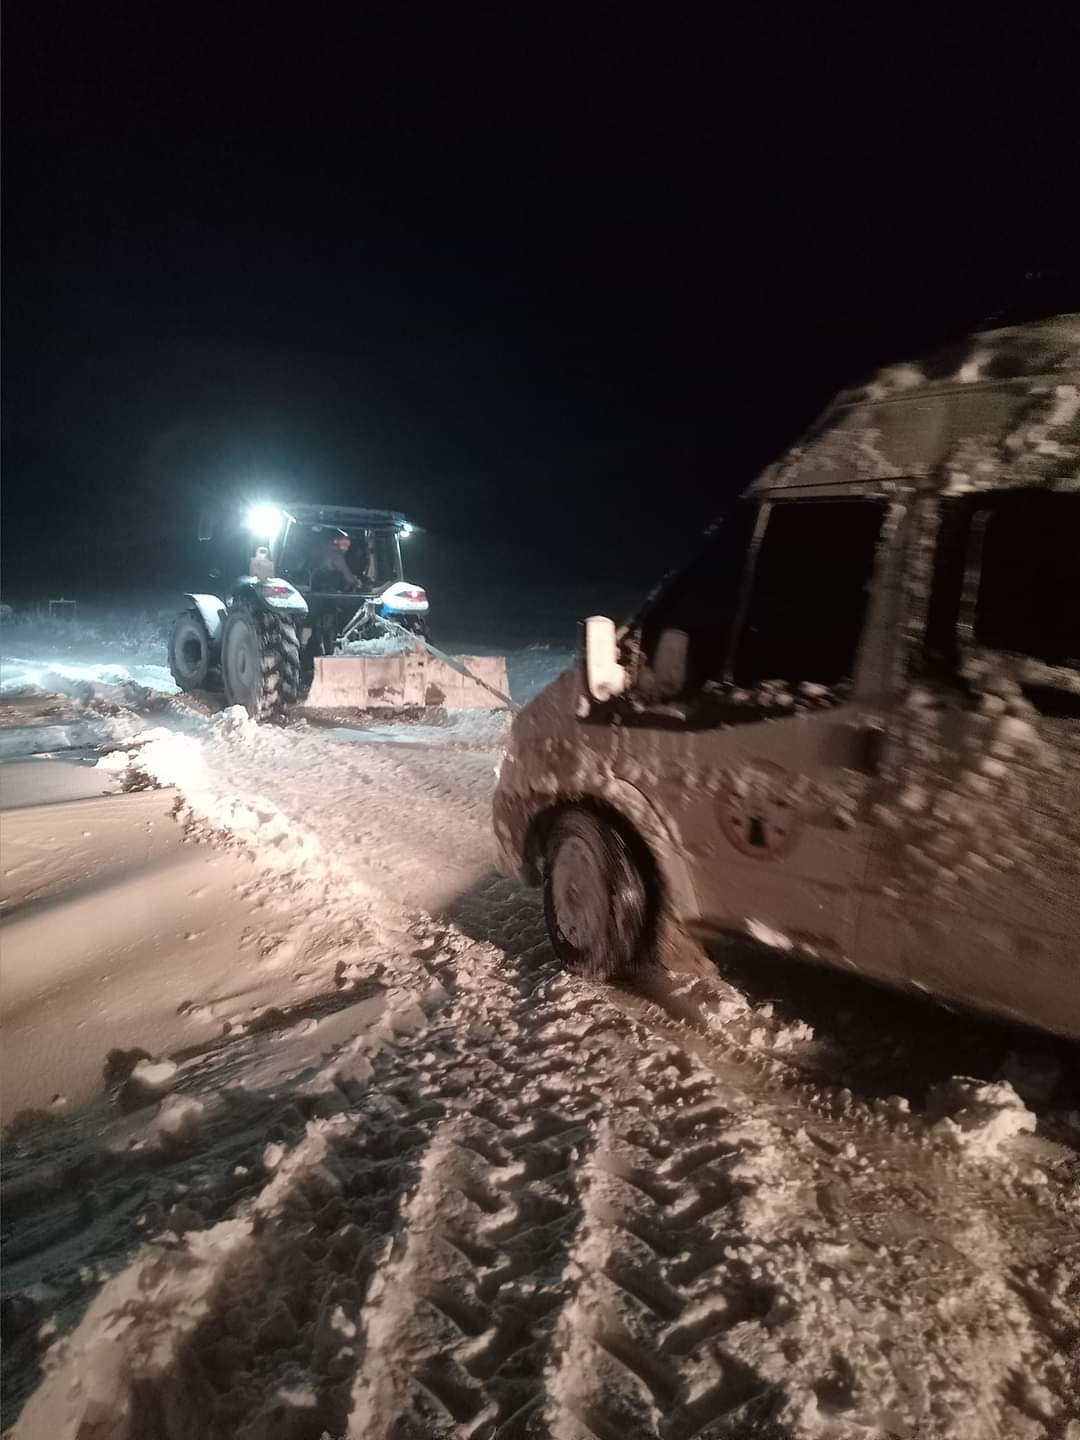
[[605, 677]]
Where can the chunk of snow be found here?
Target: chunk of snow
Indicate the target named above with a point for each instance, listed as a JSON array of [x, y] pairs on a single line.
[[116, 761], [178, 1123], [978, 1116], [148, 1081], [382, 645], [154, 1074], [234, 720], [1013, 731]]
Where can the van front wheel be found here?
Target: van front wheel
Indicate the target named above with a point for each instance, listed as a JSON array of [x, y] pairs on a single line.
[[596, 899]]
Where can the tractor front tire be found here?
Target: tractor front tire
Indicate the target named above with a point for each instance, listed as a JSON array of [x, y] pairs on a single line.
[[260, 662], [189, 651]]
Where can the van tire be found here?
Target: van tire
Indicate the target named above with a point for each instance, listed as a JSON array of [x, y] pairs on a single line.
[[597, 903]]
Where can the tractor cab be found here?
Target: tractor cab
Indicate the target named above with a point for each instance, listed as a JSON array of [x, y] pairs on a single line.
[[344, 560], [296, 541], [311, 539]]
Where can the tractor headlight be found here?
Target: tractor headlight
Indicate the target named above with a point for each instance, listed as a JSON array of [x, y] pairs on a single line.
[[406, 530], [264, 522]]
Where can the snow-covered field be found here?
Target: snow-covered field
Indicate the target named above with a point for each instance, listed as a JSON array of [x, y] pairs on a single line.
[[307, 1136]]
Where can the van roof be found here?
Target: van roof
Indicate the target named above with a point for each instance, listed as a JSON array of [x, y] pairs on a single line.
[[1002, 406]]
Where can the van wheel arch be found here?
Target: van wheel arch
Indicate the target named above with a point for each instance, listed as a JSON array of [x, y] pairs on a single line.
[[671, 893]]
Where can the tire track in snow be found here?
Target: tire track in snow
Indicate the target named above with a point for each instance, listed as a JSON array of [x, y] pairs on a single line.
[[423, 1234], [638, 1350], [539, 1217], [459, 1322]]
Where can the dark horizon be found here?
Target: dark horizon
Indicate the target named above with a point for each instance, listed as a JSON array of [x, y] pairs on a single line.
[[556, 287]]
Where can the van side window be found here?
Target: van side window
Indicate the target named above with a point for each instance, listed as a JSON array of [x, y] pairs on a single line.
[[810, 592], [1028, 597], [1006, 578]]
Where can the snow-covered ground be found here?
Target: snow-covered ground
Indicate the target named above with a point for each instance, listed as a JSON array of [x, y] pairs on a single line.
[[307, 1136]]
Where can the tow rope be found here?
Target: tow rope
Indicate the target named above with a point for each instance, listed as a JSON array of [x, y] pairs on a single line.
[[417, 642]]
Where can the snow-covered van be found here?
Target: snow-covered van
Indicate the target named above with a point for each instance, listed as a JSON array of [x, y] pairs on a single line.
[[852, 726]]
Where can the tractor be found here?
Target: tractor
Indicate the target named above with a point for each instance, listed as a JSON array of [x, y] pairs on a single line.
[[302, 588]]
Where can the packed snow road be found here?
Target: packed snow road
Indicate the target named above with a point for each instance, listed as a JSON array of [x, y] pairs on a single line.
[[366, 1164]]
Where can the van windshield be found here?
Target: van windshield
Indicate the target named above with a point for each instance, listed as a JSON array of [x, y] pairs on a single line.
[[703, 599], [786, 613]]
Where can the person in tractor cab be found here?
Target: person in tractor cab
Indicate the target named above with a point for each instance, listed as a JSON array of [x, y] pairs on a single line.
[[331, 569]]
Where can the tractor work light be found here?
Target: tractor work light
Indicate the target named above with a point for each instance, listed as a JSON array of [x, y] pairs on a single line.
[[264, 521], [406, 529]]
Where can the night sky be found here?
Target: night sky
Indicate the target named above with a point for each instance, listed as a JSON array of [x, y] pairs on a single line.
[[554, 281]]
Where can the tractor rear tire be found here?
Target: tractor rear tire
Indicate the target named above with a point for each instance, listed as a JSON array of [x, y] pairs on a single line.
[[189, 651], [260, 662]]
